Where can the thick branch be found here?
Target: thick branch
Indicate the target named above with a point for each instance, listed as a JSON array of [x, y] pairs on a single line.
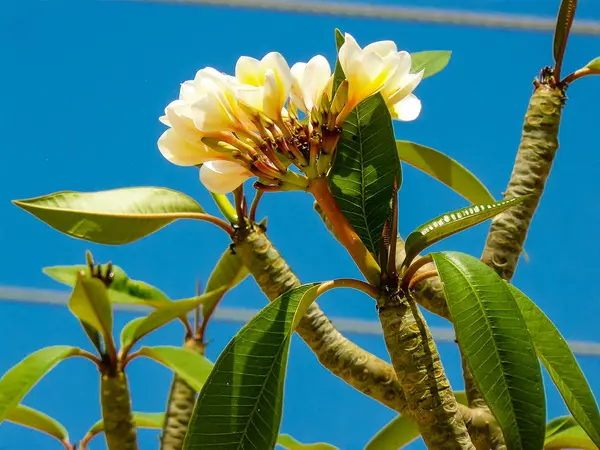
[[119, 427], [180, 405]]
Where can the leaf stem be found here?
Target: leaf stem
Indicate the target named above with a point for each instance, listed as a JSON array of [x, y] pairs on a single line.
[[225, 207], [412, 270], [344, 231], [254, 205], [127, 359], [87, 355], [580, 73], [422, 276], [371, 291]]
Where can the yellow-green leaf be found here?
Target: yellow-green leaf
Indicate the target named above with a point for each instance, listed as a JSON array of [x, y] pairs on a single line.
[[444, 169], [594, 64], [89, 303], [36, 420], [21, 378], [433, 61], [114, 217], [192, 367], [289, 443], [565, 432], [564, 21], [122, 289]]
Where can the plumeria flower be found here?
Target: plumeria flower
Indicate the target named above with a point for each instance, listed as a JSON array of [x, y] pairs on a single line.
[[380, 67], [268, 83], [309, 82], [367, 70]]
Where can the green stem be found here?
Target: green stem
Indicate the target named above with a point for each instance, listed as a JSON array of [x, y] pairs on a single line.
[[537, 150], [119, 427], [417, 364], [225, 207], [180, 405]]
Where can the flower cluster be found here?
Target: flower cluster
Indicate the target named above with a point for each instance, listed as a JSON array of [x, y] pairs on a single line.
[[270, 116]]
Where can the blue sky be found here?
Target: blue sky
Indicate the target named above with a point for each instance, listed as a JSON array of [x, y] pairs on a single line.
[[82, 85]]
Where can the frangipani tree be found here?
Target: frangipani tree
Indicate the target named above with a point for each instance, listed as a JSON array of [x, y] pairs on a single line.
[[329, 133]]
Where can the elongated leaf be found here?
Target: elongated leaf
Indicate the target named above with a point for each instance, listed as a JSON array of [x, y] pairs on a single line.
[[433, 61], [451, 223], [289, 443], [564, 432], [137, 329], [192, 367], [89, 302], [94, 336], [241, 402], [31, 418], [444, 169], [21, 378], [594, 64], [566, 14], [140, 419], [559, 361], [494, 337], [227, 274], [114, 217], [128, 331], [338, 74], [401, 431], [122, 289]]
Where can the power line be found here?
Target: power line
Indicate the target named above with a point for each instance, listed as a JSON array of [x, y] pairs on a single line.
[[403, 13], [243, 315]]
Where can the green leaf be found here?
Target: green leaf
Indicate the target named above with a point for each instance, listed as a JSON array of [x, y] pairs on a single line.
[[94, 336], [365, 166], [140, 419], [494, 337], [21, 378], [122, 290], [227, 274], [444, 169], [401, 431], [89, 302], [433, 61], [137, 329], [566, 14], [192, 367], [594, 64], [451, 223], [564, 432], [338, 73], [240, 405], [31, 418], [559, 361], [289, 443], [114, 217]]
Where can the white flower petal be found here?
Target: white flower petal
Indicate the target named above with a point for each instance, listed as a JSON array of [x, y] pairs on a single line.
[[274, 99], [348, 52], [222, 177], [410, 82], [296, 92], [247, 71], [181, 152], [382, 48], [277, 63], [407, 109], [251, 96], [316, 76]]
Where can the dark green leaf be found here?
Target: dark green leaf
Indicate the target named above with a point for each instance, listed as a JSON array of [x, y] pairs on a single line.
[[338, 74], [21, 378], [114, 217], [31, 418], [594, 64], [433, 61], [240, 405], [444, 169], [496, 343], [189, 365], [122, 289], [137, 329], [566, 14], [564, 432], [227, 274], [401, 431], [89, 302], [289, 443], [94, 336], [141, 420], [365, 166], [451, 223], [559, 361]]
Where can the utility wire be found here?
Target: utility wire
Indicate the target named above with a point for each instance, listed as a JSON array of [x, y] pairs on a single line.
[[243, 315], [403, 13]]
